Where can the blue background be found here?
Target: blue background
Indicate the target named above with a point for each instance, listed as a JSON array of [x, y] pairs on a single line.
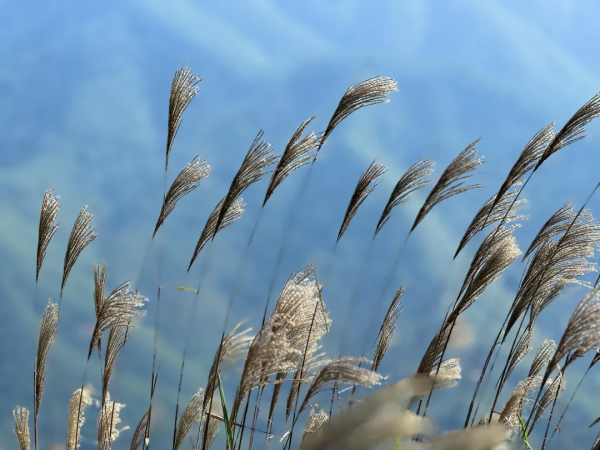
[[84, 91]]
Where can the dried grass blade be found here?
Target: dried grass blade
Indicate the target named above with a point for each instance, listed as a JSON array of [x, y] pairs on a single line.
[[414, 178], [184, 183], [81, 236], [183, 90], [50, 207], [452, 181], [294, 157], [367, 182]]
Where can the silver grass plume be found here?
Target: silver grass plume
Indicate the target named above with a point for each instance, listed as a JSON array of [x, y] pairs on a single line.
[[369, 92], [544, 354], [558, 223], [301, 298], [252, 170], [81, 236], [183, 90], [279, 379], [504, 210], [193, 414], [290, 336], [452, 181], [395, 398], [117, 338], [99, 284], [76, 406], [501, 205], [234, 212], [414, 178], [271, 352], [315, 422], [367, 182], [553, 391], [232, 343], [596, 445], [116, 311], [520, 396], [498, 250], [521, 350], [140, 432], [388, 328], [557, 264], [50, 207], [184, 183], [47, 334], [448, 374], [528, 159], [435, 349], [342, 370], [573, 130], [294, 157], [21, 431], [582, 332], [305, 373], [108, 419], [383, 417]]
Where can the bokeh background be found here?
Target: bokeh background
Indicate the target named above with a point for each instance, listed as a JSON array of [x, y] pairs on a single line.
[[84, 91]]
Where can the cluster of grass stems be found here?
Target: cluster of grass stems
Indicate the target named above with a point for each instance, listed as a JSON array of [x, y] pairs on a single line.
[[285, 353]]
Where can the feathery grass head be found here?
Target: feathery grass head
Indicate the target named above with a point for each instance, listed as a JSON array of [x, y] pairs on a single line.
[[50, 207], [252, 169], [186, 182], [414, 178], [21, 431], [582, 332], [117, 310], [369, 92], [47, 334], [573, 130], [210, 230], [183, 90], [294, 157], [81, 236], [367, 182], [452, 181], [387, 330]]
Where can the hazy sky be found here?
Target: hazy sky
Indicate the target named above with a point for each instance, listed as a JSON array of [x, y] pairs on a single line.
[[84, 91]]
